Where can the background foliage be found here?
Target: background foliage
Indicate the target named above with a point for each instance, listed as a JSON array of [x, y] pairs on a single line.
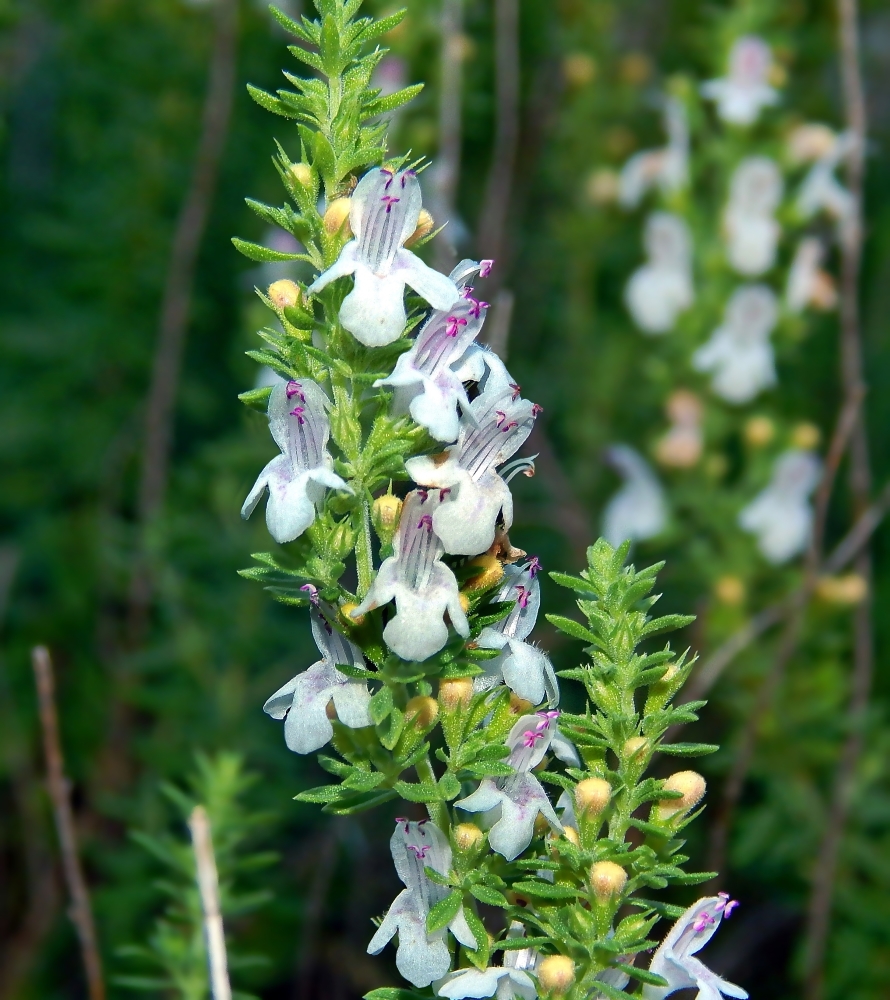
[[101, 106]]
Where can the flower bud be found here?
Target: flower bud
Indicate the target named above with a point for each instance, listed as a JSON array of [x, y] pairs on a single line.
[[729, 590], [467, 836], [555, 973], [455, 694], [422, 711], [592, 795], [759, 431], [491, 572], [571, 835], [634, 747], [810, 142], [284, 293], [464, 602], [846, 590], [336, 215], [805, 435], [602, 186], [346, 613], [425, 224], [635, 68], [578, 68], [607, 879], [692, 786], [385, 513], [302, 174]]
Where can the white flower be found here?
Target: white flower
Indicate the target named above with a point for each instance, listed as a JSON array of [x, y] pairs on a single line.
[[524, 668], [638, 510], [666, 168], [808, 284], [422, 586], [662, 288], [519, 798], [383, 214], [674, 960], [426, 382], [495, 425], [821, 191], [420, 957], [739, 353], [303, 701], [298, 477], [752, 233], [780, 516], [744, 91], [503, 982]]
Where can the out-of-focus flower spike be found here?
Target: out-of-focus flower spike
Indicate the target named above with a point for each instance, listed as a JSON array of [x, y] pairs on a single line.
[[745, 90]]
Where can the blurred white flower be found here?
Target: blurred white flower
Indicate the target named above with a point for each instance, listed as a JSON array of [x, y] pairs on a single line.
[[821, 191], [638, 510], [662, 288], [739, 353], [808, 284], [744, 90], [781, 516], [666, 168], [752, 234]]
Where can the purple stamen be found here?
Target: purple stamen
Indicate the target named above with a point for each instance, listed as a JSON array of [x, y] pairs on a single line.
[[477, 307], [485, 267], [294, 389], [704, 921], [419, 852], [454, 325], [389, 174], [426, 522], [534, 567], [312, 591], [405, 820], [523, 595], [517, 390], [509, 426], [423, 494], [530, 737], [298, 412], [536, 409], [443, 492], [501, 417], [389, 201]]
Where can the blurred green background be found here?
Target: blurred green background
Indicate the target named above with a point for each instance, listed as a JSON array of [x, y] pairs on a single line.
[[102, 104]]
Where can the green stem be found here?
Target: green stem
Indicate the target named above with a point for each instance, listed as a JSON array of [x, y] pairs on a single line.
[[363, 559], [438, 810]]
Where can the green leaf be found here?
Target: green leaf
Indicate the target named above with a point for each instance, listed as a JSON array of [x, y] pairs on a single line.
[[572, 628], [393, 993], [485, 894], [380, 705], [449, 786], [687, 749], [644, 975], [421, 791], [545, 890], [269, 102], [263, 254], [256, 399], [444, 911], [612, 992], [324, 793], [383, 104], [572, 582]]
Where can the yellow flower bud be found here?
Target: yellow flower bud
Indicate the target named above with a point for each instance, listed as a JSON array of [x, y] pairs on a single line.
[[607, 879], [455, 694], [464, 602], [571, 835], [346, 611], [729, 590], [422, 711], [805, 435], [491, 572], [592, 795], [555, 973], [302, 173], [284, 293], [601, 187], [634, 747], [692, 786], [336, 215], [385, 512], [849, 589], [759, 431], [467, 836], [578, 68], [425, 224], [635, 68]]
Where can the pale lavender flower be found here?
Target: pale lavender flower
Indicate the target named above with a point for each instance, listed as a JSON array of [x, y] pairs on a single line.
[[523, 667], [638, 510], [666, 168], [752, 234], [420, 957], [496, 424], [502, 982], [808, 284], [744, 90], [384, 212], [427, 383], [739, 354], [780, 515], [298, 477], [421, 585], [662, 288], [303, 701], [821, 191], [520, 797], [674, 960]]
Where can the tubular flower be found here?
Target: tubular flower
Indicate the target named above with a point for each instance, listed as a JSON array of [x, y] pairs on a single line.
[[383, 214], [780, 516], [503, 982], [666, 168], [520, 797], [808, 284], [638, 510], [744, 91], [524, 668], [495, 426], [298, 477], [662, 288], [739, 353], [303, 701], [420, 957], [674, 960], [751, 231], [422, 586], [425, 380]]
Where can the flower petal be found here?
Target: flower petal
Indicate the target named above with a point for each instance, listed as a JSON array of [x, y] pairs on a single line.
[[438, 289], [374, 311], [342, 266]]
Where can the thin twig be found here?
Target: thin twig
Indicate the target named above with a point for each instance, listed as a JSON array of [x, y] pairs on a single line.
[[177, 297], [208, 886], [60, 795], [825, 871], [450, 127]]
